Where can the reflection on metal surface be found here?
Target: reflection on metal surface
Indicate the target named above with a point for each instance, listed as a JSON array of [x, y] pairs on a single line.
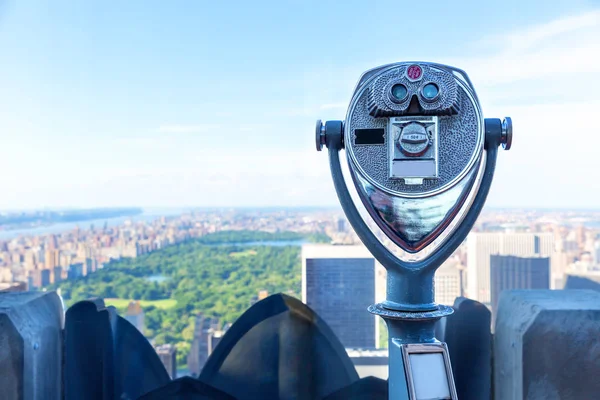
[[413, 223]]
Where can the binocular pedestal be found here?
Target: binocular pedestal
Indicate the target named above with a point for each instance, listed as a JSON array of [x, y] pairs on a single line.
[[419, 365]]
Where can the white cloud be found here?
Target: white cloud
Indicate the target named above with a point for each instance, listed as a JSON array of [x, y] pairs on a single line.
[[534, 36], [564, 48], [553, 158]]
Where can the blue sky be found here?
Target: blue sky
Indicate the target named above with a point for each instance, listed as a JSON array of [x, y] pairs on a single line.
[[213, 103]]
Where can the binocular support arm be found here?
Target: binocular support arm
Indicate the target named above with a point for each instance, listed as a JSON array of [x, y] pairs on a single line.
[[410, 284]]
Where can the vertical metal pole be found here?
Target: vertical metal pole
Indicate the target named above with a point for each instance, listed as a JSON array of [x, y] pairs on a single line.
[[404, 332], [407, 326]]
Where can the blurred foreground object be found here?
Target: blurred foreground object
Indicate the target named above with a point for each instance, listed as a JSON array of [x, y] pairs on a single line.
[[31, 351], [279, 348], [545, 347]]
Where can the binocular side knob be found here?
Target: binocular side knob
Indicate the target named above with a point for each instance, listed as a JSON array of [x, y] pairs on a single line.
[[320, 135], [507, 133], [329, 134], [499, 132]]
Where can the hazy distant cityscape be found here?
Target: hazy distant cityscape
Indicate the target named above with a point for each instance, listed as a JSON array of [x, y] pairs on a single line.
[[40, 260], [507, 249], [571, 239]]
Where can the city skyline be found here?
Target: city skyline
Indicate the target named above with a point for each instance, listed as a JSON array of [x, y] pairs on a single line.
[[141, 105], [125, 264]]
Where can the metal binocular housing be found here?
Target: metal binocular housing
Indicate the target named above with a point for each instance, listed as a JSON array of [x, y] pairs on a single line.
[[421, 157]]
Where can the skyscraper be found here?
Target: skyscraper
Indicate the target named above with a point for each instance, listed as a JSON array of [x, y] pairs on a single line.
[[52, 258], [135, 315], [482, 245], [510, 272], [168, 355], [39, 278], [449, 282], [338, 282], [52, 242], [341, 225], [201, 344], [56, 274], [213, 340]]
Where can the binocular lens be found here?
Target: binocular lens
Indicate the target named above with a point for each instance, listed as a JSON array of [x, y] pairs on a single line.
[[399, 92], [430, 91]]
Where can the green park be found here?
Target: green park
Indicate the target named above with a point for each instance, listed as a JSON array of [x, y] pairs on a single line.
[[216, 275]]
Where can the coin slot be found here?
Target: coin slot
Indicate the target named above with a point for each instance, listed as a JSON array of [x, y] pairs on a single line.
[[369, 136]]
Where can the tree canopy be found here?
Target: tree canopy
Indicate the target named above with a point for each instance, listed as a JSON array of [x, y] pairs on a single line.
[[205, 275]]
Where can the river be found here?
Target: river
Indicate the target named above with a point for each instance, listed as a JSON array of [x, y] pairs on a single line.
[[146, 215]]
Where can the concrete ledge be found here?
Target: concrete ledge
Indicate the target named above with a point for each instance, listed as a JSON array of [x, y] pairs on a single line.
[[31, 345], [546, 345]]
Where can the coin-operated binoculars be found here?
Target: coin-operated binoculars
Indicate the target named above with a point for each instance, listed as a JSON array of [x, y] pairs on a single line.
[[422, 159]]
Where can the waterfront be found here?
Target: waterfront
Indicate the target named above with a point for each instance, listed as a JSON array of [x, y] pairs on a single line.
[[147, 215]]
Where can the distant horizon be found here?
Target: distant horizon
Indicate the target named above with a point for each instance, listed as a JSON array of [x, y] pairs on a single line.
[[268, 207]]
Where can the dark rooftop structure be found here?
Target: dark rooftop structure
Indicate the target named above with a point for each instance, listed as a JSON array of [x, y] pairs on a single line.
[[281, 349]]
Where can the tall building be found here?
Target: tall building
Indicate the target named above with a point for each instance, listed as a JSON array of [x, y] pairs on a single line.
[[135, 315], [510, 272], [52, 258], [75, 271], [29, 260], [559, 264], [341, 225], [338, 283], [168, 355], [39, 278], [90, 265], [482, 245], [213, 340], [449, 282], [201, 344], [52, 242], [56, 274]]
